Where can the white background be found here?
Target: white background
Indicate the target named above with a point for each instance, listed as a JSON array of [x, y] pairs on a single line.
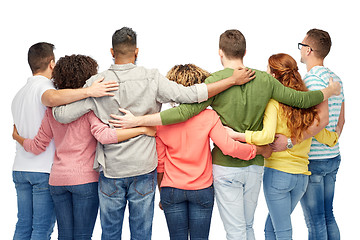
[[178, 32]]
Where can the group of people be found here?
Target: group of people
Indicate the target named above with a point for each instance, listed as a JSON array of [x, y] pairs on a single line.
[[89, 143]]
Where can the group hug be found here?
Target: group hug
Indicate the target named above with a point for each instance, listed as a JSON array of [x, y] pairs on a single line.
[[89, 141]]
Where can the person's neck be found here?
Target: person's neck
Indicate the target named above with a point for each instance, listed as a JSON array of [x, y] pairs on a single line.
[[125, 60], [313, 63], [47, 73], [234, 63]]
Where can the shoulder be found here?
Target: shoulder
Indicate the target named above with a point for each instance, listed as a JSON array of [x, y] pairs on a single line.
[[219, 75]]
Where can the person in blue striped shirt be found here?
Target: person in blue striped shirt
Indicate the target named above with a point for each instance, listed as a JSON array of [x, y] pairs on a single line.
[[317, 202]]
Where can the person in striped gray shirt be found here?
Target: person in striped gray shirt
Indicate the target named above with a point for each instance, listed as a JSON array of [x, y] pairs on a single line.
[[317, 202]]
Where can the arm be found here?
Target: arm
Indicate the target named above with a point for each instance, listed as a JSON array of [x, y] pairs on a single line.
[[327, 137], [301, 99], [341, 120], [161, 152], [231, 147], [70, 112], [52, 97], [40, 142]]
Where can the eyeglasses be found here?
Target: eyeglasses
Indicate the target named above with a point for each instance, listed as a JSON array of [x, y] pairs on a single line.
[[300, 45]]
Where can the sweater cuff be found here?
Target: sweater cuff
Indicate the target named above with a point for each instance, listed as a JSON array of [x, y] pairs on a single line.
[[202, 91], [248, 135]]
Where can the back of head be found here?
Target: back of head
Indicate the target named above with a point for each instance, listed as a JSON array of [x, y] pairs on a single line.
[[187, 74], [320, 42], [40, 55], [285, 69], [73, 71], [124, 41], [233, 44]]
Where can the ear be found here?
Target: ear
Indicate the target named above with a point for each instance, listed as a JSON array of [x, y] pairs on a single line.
[[221, 53], [136, 52], [52, 64], [112, 52]]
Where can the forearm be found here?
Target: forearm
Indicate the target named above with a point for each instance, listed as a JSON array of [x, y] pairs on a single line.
[[219, 86], [341, 120], [70, 112], [53, 98], [125, 134], [19, 139], [159, 179]]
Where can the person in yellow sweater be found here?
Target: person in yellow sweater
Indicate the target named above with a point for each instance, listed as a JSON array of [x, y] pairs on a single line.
[[286, 172]]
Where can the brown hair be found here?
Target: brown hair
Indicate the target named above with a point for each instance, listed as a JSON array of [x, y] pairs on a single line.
[[39, 56], [233, 44], [320, 42], [73, 71], [286, 71], [187, 75]]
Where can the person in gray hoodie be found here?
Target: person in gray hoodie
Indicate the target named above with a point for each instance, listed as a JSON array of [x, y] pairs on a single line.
[[128, 169]]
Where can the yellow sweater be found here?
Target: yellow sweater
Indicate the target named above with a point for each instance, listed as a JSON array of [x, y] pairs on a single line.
[[294, 160]]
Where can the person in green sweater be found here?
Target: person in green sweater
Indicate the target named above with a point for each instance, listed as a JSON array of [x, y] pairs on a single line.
[[237, 182]]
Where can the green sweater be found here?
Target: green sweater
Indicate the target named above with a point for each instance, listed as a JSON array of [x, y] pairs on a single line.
[[242, 108]]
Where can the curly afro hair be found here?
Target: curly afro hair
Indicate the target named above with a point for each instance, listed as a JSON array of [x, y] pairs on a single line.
[[73, 71]]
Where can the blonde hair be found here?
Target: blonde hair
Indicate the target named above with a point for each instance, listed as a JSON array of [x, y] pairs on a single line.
[[187, 74]]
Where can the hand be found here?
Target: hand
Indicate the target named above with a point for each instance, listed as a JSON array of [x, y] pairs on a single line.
[[265, 150], [15, 133], [128, 120], [280, 143], [150, 131], [335, 87], [160, 206], [243, 75], [100, 89]]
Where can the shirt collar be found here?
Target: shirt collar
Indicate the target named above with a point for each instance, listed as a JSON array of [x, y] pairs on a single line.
[[122, 67]]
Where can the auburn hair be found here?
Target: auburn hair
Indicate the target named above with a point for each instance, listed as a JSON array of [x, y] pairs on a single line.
[[285, 69], [187, 74]]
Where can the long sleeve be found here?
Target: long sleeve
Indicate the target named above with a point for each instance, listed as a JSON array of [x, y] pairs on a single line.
[[71, 112], [42, 139], [295, 98], [229, 146], [161, 152], [267, 134], [327, 137], [169, 91], [102, 132]]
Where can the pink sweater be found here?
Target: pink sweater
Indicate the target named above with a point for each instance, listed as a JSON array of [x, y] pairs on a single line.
[[184, 150], [75, 145]]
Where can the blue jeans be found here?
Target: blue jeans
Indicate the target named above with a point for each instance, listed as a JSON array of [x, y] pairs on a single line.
[[139, 193], [282, 193], [36, 215], [188, 212], [76, 210], [317, 203], [236, 193]]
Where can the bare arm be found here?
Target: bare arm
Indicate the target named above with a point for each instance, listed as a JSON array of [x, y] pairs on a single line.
[[341, 120], [125, 134], [52, 97], [17, 137], [128, 120]]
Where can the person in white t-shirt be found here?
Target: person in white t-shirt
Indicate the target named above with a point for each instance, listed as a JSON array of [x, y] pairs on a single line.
[[36, 216]]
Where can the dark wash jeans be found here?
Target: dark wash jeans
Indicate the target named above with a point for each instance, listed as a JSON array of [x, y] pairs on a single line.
[[188, 212]]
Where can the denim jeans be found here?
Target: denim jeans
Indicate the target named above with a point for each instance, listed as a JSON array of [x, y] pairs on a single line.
[[282, 193], [36, 215], [139, 193], [317, 202], [76, 210], [236, 193], [188, 212]]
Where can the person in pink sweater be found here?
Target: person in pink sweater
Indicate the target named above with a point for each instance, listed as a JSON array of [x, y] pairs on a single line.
[[185, 164], [73, 182]]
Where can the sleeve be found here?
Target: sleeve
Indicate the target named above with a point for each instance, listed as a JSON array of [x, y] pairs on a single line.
[[102, 132], [183, 112], [161, 152], [229, 146], [169, 91], [42, 139], [313, 82], [266, 135], [327, 137], [71, 112], [295, 98]]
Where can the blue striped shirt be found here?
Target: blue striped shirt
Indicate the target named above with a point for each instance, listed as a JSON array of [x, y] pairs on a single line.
[[318, 78]]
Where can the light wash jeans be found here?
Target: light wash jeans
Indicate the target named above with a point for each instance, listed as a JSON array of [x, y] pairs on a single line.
[[282, 193], [236, 193], [188, 212], [36, 214], [317, 202], [139, 193], [76, 208]]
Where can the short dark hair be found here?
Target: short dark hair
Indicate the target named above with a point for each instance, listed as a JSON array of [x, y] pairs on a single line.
[[40, 55], [73, 71], [319, 41], [233, 44], [124, 41]]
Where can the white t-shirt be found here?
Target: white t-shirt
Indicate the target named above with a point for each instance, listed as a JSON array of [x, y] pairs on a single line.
[[28, 112]]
